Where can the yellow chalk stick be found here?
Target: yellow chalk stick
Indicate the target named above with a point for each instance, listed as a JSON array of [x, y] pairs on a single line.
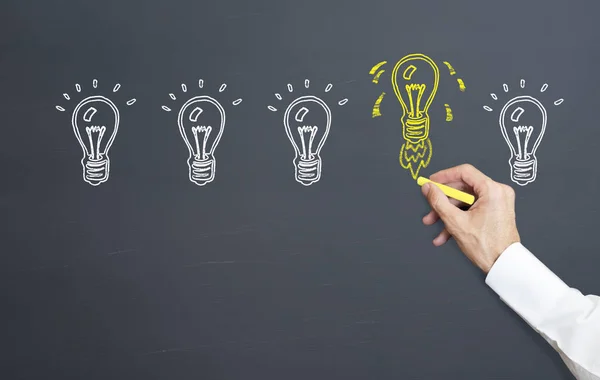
[[449, 191]]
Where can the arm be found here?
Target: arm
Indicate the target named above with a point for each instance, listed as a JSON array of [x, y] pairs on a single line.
[[568, 320], [487, 234]]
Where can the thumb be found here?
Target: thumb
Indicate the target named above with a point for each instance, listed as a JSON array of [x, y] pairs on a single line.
[[440, 203]]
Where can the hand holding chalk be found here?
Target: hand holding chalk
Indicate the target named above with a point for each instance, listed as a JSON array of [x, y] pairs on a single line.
[[449, 191], [486, 229]]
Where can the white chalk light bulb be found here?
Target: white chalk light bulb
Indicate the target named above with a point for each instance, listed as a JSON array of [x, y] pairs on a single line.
[[307, 131], [95, 123], [523, 123], [201, 136]]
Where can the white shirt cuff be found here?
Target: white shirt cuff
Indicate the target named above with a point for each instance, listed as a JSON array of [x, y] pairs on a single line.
[[525, 284]]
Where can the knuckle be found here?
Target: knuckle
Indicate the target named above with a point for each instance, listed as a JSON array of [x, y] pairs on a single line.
[[488, 185], [494, 190], [509, 191], [467, 167]]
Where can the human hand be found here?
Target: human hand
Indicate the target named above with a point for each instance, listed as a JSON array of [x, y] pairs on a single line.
[[487, 228]]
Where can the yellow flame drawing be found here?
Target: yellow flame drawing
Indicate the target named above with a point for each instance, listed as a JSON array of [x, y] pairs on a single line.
[[415, 156]]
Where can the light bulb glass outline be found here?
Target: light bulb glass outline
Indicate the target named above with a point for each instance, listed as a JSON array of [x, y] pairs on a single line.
[[399, 94], [201, 98], [192, 158], [522, 99], [288, 128], [102, 99]]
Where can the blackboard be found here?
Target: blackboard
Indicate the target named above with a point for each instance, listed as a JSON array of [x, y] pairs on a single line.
[[254, 274]]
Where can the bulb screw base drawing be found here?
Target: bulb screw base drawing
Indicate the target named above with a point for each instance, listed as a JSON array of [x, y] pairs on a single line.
[[309, 171], [202, 171], [95, 172], [416, 130], [523, 171]]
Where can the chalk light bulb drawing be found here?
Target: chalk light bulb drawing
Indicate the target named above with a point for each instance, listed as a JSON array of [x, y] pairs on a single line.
[[523, 122], [307, 137], [93, 136], [523, 136], [201, 121], [307, 122], [415, 80], [201, 137], [95, 121]]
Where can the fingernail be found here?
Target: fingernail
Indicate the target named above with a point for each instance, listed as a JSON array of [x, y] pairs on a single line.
[[426, 188]]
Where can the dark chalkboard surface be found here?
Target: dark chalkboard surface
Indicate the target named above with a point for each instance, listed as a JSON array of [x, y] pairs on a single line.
[[145, 274]]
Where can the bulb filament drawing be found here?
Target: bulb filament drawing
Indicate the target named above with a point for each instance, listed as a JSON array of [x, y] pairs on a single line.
[[523, 121], [307, 122], [95, 121], [201, 121]]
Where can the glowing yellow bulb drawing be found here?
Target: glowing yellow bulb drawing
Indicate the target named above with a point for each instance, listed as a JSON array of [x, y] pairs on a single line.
[[415, 80]]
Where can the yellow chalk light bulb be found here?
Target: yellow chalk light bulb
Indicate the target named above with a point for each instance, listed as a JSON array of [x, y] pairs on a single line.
[[415, 79]]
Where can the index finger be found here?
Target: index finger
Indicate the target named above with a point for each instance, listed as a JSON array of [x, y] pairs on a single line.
[[462, 173]]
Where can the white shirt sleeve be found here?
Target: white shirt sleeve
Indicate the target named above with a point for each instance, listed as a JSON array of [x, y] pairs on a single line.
[[567, 319]]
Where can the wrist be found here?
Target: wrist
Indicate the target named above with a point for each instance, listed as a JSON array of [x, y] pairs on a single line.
[[497, 252]]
